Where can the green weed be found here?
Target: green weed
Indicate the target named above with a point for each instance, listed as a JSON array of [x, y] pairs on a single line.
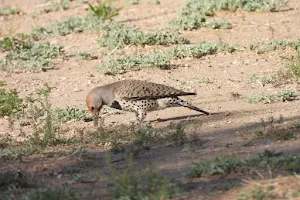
[[145, 136], [293, 65], [55, 6], [198, 20], [263, 80], [161, 59], [220, 166], [225, 165], [272, 159], [271, 98], [65, 193], [258, 194], [131, 184], [67, 26], [178, 136], [17, 153], [208, 7], [9, 11], [17, 179], [195, 13], [10, 102], [104, 10], [119, 36], [133, 2], [64, 115], [41, 117], [262, 47], [86, 56], [25, 53]]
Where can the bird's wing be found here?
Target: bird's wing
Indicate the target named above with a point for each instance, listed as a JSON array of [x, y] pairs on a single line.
[[138, 90]]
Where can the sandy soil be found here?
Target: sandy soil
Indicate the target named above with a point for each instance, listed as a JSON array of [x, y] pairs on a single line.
[[227, 72]]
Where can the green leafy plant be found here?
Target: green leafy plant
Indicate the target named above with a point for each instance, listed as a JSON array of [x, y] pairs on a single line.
[[261, 47], [10, 102], [133, 2], [220, 166], [161, 59], [270, 98], [119, 35], [225, 165], [65, 193], [104, 10], [18, 179], [9, 11], [131, 184], [64, 115], [198, 20], [25, 52], [70, 25], [55, 6]]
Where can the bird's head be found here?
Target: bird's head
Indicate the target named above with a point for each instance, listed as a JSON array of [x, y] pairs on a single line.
[[94, 103]]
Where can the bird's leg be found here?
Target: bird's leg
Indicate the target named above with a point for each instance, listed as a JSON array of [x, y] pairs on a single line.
[[140, 115]]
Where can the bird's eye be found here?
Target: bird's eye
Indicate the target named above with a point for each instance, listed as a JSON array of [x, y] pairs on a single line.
[[92, 108]]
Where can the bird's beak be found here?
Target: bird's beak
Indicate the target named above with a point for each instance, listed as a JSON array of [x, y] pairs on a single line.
[[95, 116]]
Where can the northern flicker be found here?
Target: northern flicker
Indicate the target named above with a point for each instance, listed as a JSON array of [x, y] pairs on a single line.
[[136, 96]]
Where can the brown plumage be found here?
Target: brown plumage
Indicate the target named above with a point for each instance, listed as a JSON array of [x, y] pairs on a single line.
[[136, 96]]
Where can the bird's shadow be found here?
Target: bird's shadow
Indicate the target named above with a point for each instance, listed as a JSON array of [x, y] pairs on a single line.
[[193, 117]]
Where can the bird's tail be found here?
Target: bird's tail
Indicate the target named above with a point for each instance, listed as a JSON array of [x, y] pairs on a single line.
[[190, 106]]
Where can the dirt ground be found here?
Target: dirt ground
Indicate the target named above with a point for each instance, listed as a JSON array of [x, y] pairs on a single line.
[[227, 72]]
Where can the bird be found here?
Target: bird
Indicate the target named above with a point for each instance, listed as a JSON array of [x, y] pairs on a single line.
[[138, 96]]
